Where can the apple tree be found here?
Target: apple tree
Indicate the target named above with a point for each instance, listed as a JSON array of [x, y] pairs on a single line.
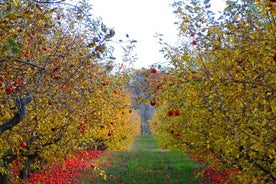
[[223, 84], [54, 81]]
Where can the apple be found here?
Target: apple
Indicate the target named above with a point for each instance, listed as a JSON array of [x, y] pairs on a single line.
[[27, 56], [269, 108], [23, 144], [56, 76], [112, 123], [177, 134], [18, 82], [99, 48], [177, 112], [93, 166], [158, 86], [194, 42], [109, 67], [170, 113], [102, 126], [9, 89], [1, 83], [115, 91], [35, 119], [106, 83], [2, 77], [192, 34], [63, 87], [272, 5], [274, 57], [109, 133], [259, 81], [153, 70], [153, 103], [50, 102], [196, 77], [56, 69]]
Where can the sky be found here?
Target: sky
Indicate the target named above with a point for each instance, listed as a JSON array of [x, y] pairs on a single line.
[[141, 20]]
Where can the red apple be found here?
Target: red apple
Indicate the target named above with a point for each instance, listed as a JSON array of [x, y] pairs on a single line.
[[23, 144], [274, 57], [56, 69], [177, 112], [192, 34], [170, 113], [109, 68], [18, 82], [259, 80], [27, 56], [196, 77], [115, 91], [109, 133], [63, 87], [93, 166], [102, 126], [56, 76], [178, 134], [106, 83], [9, 89], [153, 70], [194, 42], [99, 48], [158, 86], [272, 5], [36, 119], [2, 77], [269, 108], [153, 103]]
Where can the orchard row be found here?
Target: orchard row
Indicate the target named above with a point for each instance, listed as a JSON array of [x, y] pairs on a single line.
[[218, 103], [58, 93]]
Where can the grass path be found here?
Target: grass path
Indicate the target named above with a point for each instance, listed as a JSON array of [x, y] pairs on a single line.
[[145, 163]]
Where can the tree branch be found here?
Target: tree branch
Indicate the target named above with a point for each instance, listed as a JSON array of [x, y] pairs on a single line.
[[20, 114], [50, 2], [24, 62]]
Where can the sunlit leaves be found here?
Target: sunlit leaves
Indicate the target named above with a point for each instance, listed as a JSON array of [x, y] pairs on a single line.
[[224, 87], [45, 51]]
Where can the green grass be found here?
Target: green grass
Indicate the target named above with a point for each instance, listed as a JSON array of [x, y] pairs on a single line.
[[145, 163], [144, 143]]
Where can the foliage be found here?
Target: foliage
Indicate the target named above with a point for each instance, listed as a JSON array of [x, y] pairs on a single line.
[[222, 84], [57, 89]]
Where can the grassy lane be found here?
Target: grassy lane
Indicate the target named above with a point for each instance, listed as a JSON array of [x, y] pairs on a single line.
[[145, 163]]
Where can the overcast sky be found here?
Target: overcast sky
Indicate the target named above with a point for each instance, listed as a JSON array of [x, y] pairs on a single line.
[[141, 20]]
